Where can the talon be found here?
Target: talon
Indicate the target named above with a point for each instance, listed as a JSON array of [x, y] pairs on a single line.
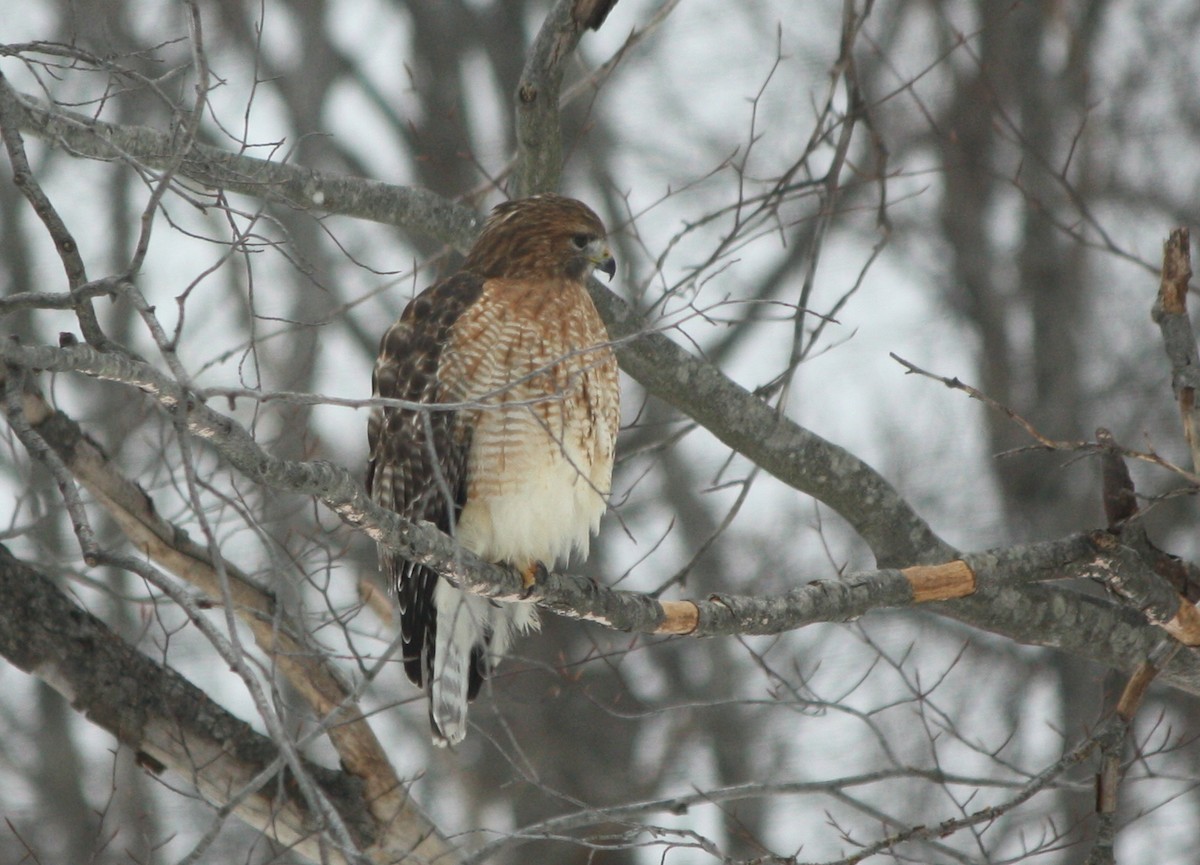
[[532, 576]]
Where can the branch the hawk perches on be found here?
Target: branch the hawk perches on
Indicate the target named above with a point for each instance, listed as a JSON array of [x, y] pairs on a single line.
[[514, 454]]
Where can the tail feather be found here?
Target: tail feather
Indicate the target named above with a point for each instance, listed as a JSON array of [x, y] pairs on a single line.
[[448, 697], [462, 631], [472, 632]]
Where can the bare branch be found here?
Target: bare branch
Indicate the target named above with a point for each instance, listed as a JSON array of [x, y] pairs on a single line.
[[683, 803], [170, 723], [303, 663], [1170, 313], [64, 242], [990, 814], [1111, 738], [213, 168], [1043, 441], [539, 131], [108, 286]]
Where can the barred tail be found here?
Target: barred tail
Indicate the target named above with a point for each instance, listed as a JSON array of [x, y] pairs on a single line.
[[472, 634], [462, 634]]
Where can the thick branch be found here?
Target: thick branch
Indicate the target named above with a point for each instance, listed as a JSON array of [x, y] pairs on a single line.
[[1170, 312], [800, 458], [539, 131], [302, 188], [304, 665], [567, 594], [1126, 572], [171, 724]]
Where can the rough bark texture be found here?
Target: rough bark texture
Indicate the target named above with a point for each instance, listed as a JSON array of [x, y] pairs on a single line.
[[302, 661], [170, 723]]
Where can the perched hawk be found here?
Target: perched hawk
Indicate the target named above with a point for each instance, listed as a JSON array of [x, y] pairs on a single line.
[[518, 464]]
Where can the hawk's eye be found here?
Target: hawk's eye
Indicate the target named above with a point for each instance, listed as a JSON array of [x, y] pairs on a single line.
[[580, 241]]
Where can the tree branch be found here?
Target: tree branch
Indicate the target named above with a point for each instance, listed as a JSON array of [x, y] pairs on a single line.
[[896, 534], [539, 128], [167, 721], [1170, 313], [304, 664], [64, 241], [567, 594], [419, 210]]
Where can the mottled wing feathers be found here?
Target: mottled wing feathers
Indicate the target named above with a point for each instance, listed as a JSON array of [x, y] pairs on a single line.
[[418, 458]]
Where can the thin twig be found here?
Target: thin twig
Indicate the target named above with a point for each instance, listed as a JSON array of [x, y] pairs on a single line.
[[1043, 441], [64, 242]]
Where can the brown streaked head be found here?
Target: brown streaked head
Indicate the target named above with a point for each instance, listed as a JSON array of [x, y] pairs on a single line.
[[544, 236]]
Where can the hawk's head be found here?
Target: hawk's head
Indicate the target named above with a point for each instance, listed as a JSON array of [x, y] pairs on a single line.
[[545, 236]]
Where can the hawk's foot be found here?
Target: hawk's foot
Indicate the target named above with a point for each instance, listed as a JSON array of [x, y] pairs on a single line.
[[532, 577]]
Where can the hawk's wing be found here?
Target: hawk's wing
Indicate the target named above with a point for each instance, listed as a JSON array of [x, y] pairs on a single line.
[[418, 459]]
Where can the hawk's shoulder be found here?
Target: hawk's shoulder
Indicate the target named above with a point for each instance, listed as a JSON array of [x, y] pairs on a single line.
[[410, 354], [410, 349]]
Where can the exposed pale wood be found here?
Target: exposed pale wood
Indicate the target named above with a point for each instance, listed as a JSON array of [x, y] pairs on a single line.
[[940, 582], [1185, 627], [1176, 271], [679, 617]]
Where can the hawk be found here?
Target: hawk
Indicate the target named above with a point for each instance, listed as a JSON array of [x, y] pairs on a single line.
[[513, 455]]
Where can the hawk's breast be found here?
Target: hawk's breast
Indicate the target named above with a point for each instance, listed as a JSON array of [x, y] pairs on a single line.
[[533, 358]]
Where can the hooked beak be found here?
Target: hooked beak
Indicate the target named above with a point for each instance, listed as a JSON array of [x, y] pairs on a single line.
[[602, 259]]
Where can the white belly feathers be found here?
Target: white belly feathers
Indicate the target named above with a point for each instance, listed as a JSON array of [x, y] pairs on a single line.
[[535, 493]]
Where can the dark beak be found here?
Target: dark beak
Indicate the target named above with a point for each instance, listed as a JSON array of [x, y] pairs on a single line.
[[607, 265]]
